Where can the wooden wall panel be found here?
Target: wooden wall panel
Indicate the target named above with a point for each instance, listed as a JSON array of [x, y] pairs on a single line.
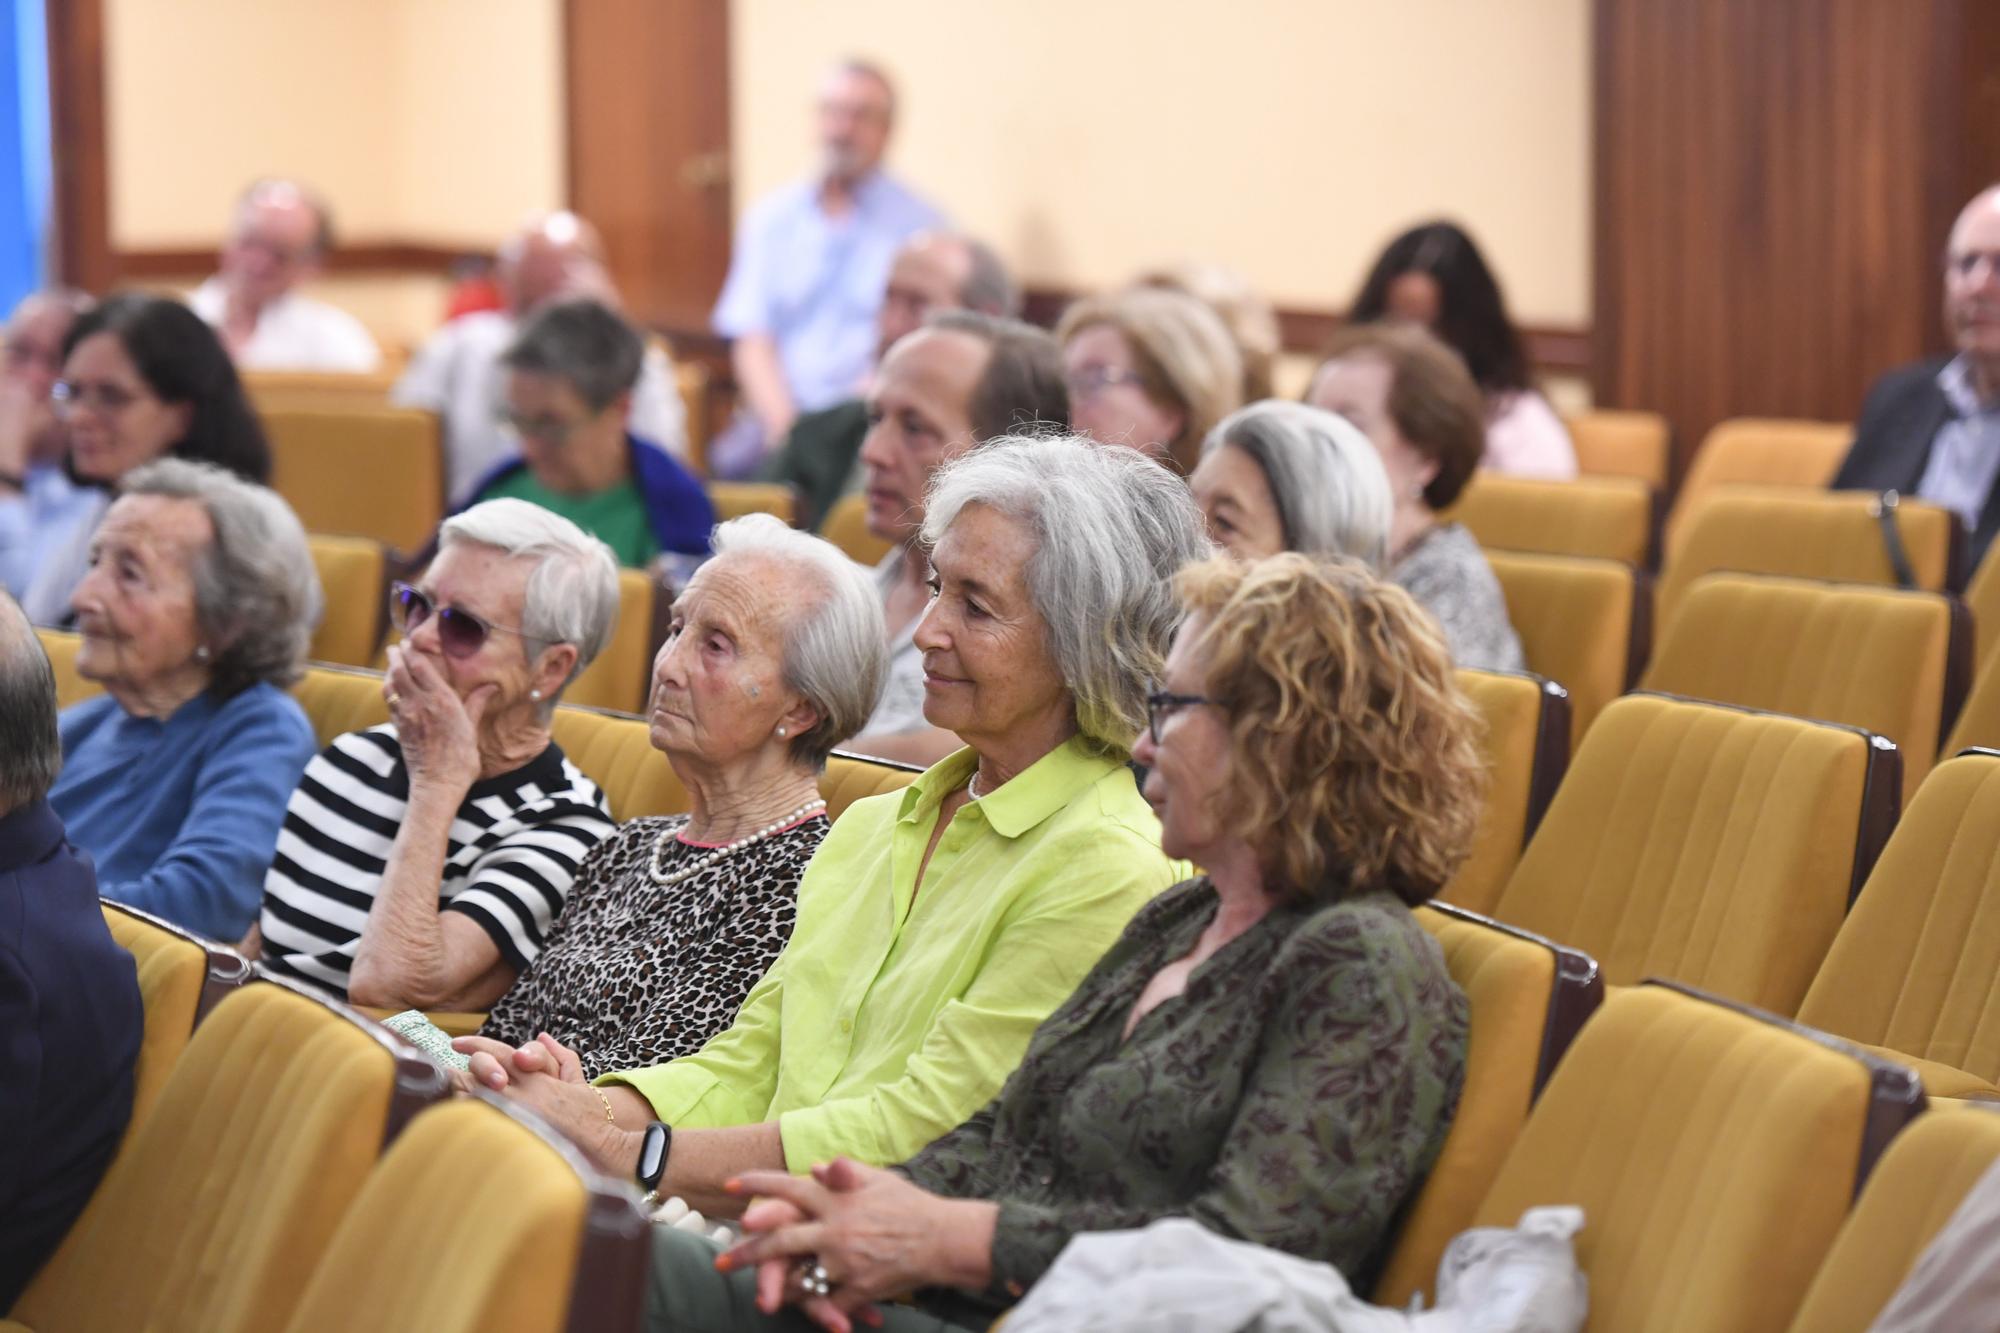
[[1775, 179]]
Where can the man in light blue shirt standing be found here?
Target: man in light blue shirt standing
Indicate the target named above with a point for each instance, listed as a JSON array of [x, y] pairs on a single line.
[[810, 264]]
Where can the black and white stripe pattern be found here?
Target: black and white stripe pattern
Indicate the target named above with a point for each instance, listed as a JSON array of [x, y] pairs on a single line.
[[514, 851]]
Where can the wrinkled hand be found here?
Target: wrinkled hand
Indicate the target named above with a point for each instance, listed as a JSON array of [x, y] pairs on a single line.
[[439, 732], [496, 1065], [875, 1233]]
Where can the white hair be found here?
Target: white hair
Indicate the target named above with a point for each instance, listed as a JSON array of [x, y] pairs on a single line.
[[572, 593], [1111, 528], [1332, 494], [835, 646]]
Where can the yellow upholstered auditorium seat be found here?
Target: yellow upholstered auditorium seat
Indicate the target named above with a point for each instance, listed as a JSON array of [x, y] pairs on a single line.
[[233, 1186], [1713, 1153], [476, 1222], [1711, 845], [307, 388], [1982, 598], [846, 526], [623, 672], [181, 977], [1615, 518], [616, 752], [61, 646], [1912, 1192], [338, 701], [1912, 969], [1979, 721], [1528, 999], [1808, 534], [1621, 444], [1882, 659], [849, 777], [1760, 451], [1585, 624], [1526, 747], [734, 499], [360, 471], [353, 576]]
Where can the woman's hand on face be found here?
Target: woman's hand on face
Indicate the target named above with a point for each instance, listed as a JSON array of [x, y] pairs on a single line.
[[438, 731]]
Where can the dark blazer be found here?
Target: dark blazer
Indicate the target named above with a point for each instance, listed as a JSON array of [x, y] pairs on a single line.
[[1892, 444], [819, 455], [70, 1023]]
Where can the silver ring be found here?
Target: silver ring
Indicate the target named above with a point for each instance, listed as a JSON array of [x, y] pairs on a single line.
[[816, 1281], [394, 698]]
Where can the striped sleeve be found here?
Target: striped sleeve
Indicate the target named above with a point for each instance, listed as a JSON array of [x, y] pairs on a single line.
[[519, 884]]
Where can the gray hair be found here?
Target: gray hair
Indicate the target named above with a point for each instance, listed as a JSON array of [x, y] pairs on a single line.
[[30, 743], [989, 288], [583, 342], [1327, 479], [1111, 528], [257, 597], [572, 593], [835, 650]]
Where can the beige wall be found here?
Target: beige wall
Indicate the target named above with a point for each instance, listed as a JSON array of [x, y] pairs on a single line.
[[1287, 138]]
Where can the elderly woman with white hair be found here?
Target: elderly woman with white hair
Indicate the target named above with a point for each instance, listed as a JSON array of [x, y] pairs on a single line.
[[1286, 477], [775, 655], [422, 862], [937, 926], [195, 613]]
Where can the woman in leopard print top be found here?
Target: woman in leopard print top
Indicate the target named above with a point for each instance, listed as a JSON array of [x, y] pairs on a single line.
[[774, 656]]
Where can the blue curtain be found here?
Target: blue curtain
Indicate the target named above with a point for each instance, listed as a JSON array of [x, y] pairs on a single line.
[[24, 149]]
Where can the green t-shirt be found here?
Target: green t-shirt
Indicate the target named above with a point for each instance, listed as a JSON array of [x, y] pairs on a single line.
[[615, 516]]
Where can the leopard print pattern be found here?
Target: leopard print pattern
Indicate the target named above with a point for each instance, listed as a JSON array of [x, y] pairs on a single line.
[[634, 974]]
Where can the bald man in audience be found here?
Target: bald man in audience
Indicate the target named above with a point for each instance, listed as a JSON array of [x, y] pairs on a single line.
[[808, 271], [458, 374], [70, 1013], [1933, 429], [36, 495], [278, 239], [932, 271]]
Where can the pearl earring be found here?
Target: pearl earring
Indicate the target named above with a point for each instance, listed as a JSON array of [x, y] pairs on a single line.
[[201, 652], [781, 733], [536, 695]]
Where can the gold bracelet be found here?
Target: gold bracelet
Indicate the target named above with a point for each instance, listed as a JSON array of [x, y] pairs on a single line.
[[609, 1118]]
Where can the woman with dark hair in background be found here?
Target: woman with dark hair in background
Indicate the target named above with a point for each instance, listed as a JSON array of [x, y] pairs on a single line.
[[143, 378], [1434, 276]]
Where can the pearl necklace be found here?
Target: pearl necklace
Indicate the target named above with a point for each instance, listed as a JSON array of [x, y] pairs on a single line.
[[667, 881]]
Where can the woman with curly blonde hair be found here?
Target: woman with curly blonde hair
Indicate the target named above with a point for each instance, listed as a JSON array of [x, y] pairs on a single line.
[[1273, 1049]]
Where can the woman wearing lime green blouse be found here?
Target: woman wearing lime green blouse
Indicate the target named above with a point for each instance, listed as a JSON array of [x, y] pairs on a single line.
[[938, 926]]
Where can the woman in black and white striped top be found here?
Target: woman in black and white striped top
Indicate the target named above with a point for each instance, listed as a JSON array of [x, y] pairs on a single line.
[[422, 863]]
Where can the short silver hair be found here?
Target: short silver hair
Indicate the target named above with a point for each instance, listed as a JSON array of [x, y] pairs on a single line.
[[257, 597], [1332, 494], [572, 592], [1111, 528], [836, 650]]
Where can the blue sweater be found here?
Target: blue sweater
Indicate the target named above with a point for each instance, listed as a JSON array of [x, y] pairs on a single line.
[[182, 816]]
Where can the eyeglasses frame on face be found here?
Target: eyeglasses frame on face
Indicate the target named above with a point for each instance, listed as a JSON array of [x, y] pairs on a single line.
[[1093, 380], [401, 594], [1159, 701], [555, 433], [67, 397]]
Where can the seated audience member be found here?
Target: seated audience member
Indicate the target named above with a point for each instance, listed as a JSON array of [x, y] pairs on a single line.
[[277, 240], [196, 613], [807, 270], [1412, 398], [458, 375], [940, 924], [457, 826], [1150, 369], [36, 495], [934, 271], [1433, 276], [1273, 1049], [774, 657], [1250, 319], [570, 377], [960, 379], [69, 997], [1933, 429], [143, 378], [1286, 477]]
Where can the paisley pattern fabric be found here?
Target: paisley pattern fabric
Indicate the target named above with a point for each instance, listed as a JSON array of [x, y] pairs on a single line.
[[1293, 1095]]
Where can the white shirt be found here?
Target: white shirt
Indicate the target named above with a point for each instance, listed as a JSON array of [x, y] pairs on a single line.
[[457, 374], [294, 333]]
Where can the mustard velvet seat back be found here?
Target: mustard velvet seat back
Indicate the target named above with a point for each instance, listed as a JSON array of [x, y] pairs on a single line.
[[623, 672], [1584, 623], [1525, 745], [61, 646], [181, 977], [1760, 451], [354, 578], [1613, 518], [1706, 844], [846, 526], [734, 499], [1978, 721], [359, 471], [1612, 443]]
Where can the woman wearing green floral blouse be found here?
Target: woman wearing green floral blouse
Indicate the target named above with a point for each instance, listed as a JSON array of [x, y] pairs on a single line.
[[1273, 1049]]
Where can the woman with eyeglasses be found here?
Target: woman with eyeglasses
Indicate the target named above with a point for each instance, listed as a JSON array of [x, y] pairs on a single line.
[[143, 378], [1273, 1049], [1151, 369], [194, 616], [423, 862]]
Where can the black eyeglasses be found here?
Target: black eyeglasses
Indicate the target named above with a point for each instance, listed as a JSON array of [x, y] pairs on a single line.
[[1160, 704], [460, 633]]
